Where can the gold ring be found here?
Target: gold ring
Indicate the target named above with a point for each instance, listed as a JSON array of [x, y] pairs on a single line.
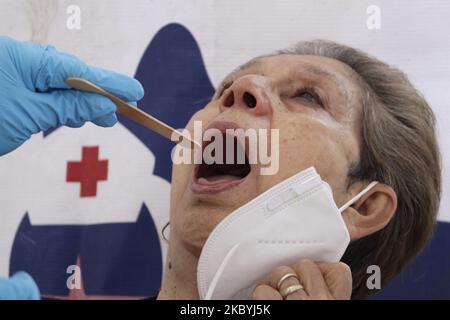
[[291, 289], [283, 278]]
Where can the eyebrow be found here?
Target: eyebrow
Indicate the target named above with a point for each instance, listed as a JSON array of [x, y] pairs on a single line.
[[319, 72], [309, 68]]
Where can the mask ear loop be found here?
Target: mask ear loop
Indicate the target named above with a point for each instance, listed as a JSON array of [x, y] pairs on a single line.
[[358, 196]]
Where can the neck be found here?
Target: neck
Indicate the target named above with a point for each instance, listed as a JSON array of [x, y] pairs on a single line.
[[180, 274]]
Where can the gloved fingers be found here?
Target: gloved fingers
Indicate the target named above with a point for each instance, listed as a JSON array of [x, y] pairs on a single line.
[[20, 62], [20, 286], [56, 67], [110, 119], [27, 284], [43, 68], [106, 121], [71, 108]]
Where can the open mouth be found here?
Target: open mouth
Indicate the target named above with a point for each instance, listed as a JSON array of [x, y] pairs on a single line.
[[223, 166]]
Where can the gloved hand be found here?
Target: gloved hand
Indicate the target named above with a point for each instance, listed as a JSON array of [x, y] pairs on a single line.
[[34, 96], [19, 287]]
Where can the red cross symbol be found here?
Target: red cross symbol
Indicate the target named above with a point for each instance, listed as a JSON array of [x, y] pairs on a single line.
[[88, 172]]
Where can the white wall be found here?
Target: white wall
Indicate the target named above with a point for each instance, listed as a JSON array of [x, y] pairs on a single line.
[[114, 34]]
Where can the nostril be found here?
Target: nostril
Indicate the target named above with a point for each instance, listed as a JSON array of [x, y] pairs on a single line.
[[249, 100], [229, 100]]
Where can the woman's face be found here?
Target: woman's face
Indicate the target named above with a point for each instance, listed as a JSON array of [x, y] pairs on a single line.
[[314, 102]]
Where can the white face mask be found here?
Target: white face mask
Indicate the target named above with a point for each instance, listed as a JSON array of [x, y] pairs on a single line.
[[295, 219]]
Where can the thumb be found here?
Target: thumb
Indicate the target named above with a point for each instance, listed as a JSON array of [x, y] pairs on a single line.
[[338, 278]]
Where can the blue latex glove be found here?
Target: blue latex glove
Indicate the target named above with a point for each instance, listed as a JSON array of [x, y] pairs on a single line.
[[19, 287], [34, 96]]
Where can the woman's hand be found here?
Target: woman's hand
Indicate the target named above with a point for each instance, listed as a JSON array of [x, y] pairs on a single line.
[[307, 280]]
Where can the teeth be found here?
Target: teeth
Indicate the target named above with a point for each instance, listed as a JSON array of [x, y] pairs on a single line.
[[202, 180], [213, 179]]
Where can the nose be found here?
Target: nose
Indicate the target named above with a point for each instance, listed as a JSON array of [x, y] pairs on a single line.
[[248, 93]]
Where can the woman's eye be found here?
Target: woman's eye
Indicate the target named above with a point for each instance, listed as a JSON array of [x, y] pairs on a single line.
[[309, 95]]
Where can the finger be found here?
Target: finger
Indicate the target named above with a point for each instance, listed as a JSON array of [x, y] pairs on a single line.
[[20, 286], [56, 67], [107, 121], [110, 119], [274, 278], [312, 280], [266, 292], [298, 295], [67, 107], [25, 59], [338, 278], [27, 284], [288, 282], [277, 274]]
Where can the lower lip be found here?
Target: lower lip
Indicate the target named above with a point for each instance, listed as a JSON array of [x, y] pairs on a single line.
[[214, 187]]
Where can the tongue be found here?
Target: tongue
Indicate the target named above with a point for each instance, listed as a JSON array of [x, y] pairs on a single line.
[[214, 179]]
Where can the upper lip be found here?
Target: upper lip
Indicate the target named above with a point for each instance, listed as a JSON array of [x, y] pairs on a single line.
[[224, 125]]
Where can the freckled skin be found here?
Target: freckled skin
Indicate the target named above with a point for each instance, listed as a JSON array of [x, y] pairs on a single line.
[[327, 138]]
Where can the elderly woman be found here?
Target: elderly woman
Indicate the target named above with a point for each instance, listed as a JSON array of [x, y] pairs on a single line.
[[352, 117], [356, 120]]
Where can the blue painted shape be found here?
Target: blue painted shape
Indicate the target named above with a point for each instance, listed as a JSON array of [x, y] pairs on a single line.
[[176, 86], [428, 276], [116, 258], [122, 258], [45, 252]]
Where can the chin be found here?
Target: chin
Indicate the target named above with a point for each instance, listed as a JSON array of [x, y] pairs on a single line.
[[195, 223]]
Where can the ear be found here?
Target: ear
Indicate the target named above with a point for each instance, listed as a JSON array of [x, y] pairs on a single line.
[[371, 212]]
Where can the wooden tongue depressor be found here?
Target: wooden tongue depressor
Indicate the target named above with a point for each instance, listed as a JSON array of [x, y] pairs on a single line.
[[131, 112]]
